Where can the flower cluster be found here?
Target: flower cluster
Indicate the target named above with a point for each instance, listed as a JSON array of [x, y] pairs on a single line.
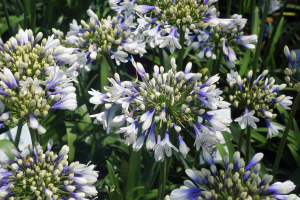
[[237, 181], [226, 35], [290, 79], [164, 21], [47, 176], [173, 99], [257, 99], [32, 81], [111, 36]]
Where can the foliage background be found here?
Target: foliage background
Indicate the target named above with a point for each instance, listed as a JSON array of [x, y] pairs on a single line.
[[138, 170]]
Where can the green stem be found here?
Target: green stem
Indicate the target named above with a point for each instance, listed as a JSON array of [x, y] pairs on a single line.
[[181, 51], [285, 134], [252, 8], [217, 61], [275, 28], [17, 140], [33, 136], [39, 138], [25, 14], [240, 8], [248, 144], [90, 112], [110, 63], [162, 180], [161, 56], [260, 36], [240, 144], [33, 15], [7, 17], [228, 8]]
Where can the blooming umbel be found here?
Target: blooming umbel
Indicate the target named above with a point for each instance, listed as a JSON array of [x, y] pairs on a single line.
[[162, 20], [32, 81], [257, 100], [226, 35], [237, 181], [171, 99], [111, 36], [47, 176]]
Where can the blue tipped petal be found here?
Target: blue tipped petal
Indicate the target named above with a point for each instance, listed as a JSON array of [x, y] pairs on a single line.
[[256, 158]]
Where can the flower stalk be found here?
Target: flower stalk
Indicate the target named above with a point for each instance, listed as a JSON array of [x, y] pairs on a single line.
[[162, 180], [285, 134], [17, 140], [248, 143], [181, 51], [241, 140], [110, 63]]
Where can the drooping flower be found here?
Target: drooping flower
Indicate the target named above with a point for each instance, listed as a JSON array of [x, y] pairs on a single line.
[[47, 176], [33, 79], [237, 180], [168, 99]]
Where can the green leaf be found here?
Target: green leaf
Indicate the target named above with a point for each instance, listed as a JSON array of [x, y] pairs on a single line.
[[85, 123], [6, 146], [295, 154], [134, 189], [229, 144], [221, 150], [245, 63], [115, 194], [87, 87], [183, 162], [153, 193], [112, 176], [133, 178], [72, 136], [297, 132], [124, 169]]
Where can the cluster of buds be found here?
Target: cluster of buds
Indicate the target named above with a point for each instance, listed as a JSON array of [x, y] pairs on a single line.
[[172, 100], [237, 181], [46, 175], [111, 36], [226, 35], [31, 80], [259, 98], [290, 79]]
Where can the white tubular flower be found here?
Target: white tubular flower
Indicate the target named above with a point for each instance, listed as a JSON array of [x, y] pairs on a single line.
[[247, 119], [232, 76], [273, 129], [171, 41], [165, 146]]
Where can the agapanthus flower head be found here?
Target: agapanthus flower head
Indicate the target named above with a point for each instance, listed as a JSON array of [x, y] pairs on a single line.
[[47, 176], [112, 36], [162, 21], [236, 181], [257, 100], [33, 79], [226, 35], [170, 99]]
